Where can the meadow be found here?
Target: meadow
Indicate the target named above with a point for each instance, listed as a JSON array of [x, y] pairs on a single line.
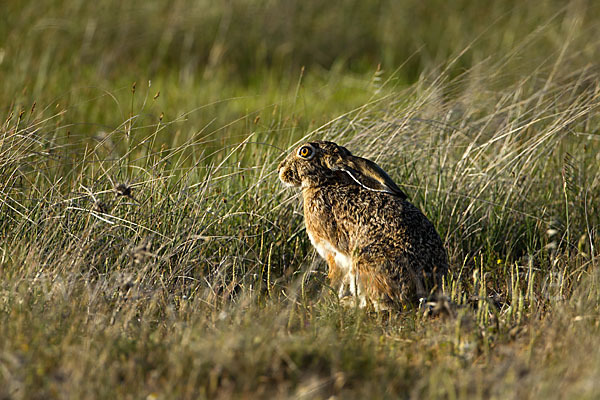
[[148, 249]]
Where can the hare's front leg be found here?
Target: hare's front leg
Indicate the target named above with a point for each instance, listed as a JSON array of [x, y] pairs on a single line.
[[356, 286], [336, 276], [351, 288]]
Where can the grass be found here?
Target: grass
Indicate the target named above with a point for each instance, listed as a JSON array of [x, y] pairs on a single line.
[[148, 250]]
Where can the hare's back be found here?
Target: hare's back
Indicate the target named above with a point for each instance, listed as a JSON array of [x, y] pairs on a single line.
[[386, 222]]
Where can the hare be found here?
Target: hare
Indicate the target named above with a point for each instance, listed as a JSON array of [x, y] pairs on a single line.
[[380, 248]]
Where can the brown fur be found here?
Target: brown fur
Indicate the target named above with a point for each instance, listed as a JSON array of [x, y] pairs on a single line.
[[334, 274], [353, 208]]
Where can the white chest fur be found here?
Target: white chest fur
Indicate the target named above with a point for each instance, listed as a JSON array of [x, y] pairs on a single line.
[[342, 261]]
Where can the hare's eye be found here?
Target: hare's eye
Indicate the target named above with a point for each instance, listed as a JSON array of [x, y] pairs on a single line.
[[306, 152]]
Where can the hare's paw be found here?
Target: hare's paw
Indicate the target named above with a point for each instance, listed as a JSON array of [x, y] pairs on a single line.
[[349, 301], [353, 301]]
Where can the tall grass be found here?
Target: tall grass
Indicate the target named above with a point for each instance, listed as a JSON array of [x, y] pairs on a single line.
[[149, 251]]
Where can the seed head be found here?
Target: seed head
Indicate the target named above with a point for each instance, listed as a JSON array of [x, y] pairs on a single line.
[[123, 189]]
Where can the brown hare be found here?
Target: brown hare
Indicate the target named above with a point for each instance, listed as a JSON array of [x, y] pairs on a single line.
[[379, 247]]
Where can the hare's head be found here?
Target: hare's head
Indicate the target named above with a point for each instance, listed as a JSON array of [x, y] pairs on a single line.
[[315, 163]]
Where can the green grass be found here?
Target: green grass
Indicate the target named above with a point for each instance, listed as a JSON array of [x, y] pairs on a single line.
[[203, 284]]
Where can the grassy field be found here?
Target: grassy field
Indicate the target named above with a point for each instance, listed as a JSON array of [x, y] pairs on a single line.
[[149, 251]]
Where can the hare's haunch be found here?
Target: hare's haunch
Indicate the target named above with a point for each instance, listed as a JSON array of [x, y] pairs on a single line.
[[379, 247]]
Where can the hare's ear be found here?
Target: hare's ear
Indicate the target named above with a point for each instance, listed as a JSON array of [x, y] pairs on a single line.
[[368, 174]]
